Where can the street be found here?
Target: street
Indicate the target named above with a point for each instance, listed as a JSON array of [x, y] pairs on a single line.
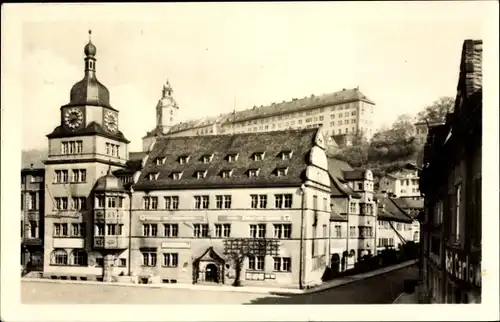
[[381, 289]]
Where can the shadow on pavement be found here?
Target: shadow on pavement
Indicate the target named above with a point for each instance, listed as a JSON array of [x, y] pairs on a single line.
[[381, 289]]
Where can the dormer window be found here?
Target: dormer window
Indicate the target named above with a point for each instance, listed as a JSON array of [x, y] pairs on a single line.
[[232, 158], [183, 159], [253, 172], [153, 176], [258, 156], [207, 158], [160, 161], [281, 172], [200, 174], [226, 173], [286, 155], [176, 175]]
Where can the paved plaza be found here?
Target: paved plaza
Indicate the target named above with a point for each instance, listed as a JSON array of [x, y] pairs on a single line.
[[381, 289]]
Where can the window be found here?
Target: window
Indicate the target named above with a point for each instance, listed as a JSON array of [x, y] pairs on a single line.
[[176, 175], [150, 203], [32, 201], [232, 158], [256, 263], [258, 156], [253, 172], [170, 259], [78, 230], [352, 231], [206, 158], [122, 262], [281, 172], [200, 174], [456, 219], [71, 147], [172, 202], [33, 229], [282, 264], [113, 149], [222, 230], [200, 230], [61, 176], [59, 257], [282, 231], [201, 202], [286, 155], [365, 231], [283, 201], [325, 204], [258, 201], [226, 173], [79, 175], [149, 230], [352, 207], [79, 257], [60, 230], [61, 203], [258, 230], [170, 230], [398, 226], [79, 203], [116, 230], [160, 161], [183, 159], [338, 231], [227, 202], [148, 257], [36, 179], [100, 201], [99, 230], [152, 176], [223, 202]]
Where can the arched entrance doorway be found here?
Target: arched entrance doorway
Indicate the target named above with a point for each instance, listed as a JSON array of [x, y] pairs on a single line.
[[335, 263], [211, 273]]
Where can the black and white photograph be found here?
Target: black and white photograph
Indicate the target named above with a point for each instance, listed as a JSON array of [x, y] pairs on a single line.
[[313, 160]]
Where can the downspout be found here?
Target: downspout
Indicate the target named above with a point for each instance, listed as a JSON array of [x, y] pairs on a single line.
[[130, 231], [348, 233], [302, 233]]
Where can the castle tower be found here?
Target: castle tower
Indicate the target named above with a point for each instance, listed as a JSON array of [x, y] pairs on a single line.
[[166, 110]]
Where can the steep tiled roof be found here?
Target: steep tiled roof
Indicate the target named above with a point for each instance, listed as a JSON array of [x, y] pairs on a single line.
[[34, 157], [354, 175], [220, 146], [338, 185], [388, 210], [91, 129], [295, 105], [471, 69], [134, 163], [408, 203]]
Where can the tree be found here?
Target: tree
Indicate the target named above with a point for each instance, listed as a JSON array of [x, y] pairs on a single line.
[[436, 112], [237, 249]]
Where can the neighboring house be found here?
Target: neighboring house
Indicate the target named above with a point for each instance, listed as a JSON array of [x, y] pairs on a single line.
[[412, 207], [353, 218], [401, 183], [451, 183], [394, 225], [422, 129]]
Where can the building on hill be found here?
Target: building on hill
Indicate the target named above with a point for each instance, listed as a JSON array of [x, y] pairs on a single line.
[[451, 184], [344, 112], [401, 183], [353, 214], [422, 129]]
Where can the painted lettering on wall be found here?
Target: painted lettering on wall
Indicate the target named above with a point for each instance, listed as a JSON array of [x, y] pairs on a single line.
[[463, 269]]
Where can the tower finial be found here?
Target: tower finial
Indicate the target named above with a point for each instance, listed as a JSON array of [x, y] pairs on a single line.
[[90, 34]]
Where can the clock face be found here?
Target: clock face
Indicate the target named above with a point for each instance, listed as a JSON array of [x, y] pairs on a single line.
[[110, 121], [73, 118]]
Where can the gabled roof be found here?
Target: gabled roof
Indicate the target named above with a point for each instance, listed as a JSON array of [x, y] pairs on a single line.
[[389, 210], [133, 164], [35, 157], [92, 129], [409, 203], [245, 144], [338, 186]]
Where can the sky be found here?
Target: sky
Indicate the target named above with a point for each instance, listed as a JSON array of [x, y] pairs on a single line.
[[221, 56]]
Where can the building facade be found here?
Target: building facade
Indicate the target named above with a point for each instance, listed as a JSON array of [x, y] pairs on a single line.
[[354, 215], [451, 184], [422, 130], [32, 218], [401, 183], [344, 112]]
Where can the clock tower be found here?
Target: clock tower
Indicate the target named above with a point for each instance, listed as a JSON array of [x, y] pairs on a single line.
[[86, 145]]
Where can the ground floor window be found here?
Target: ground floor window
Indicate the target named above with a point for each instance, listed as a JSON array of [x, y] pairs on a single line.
[[256, 263], [282, 264], [59, 257], [170, 259], [148, 257], [79, 257]]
